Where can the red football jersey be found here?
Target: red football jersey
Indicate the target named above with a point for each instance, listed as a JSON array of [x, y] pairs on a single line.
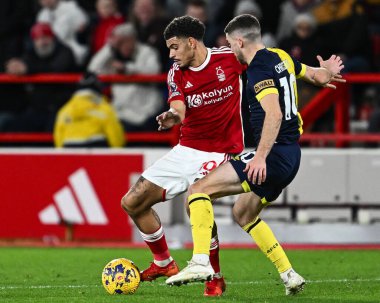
[[212, 95]]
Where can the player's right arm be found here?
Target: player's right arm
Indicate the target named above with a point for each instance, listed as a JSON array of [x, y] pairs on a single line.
[[256, 169], [175, 115]]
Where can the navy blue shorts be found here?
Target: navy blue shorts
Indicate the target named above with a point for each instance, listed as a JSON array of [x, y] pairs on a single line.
[[282, 162]]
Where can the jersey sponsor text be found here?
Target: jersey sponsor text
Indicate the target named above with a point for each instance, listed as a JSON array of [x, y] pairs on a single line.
[[263, 84]]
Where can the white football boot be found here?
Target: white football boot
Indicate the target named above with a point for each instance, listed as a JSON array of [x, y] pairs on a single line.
[[294, 283], [193, 272]]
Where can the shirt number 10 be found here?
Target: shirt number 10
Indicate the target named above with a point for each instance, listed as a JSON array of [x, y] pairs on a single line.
[[289, 96]]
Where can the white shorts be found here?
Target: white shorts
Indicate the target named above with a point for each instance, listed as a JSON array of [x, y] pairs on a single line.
[[180, 167]]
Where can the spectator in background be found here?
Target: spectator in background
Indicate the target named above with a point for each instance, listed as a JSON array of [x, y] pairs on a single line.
[[67, 20], [302, 44], [136, 104], [47, 55], [106, 18], [198, 9], [374, 114], [290, 9], [175, 8], [343, 30], [87, 120], [252, 8], [271, 14], [15, 19], [221, 11], [149, 22]]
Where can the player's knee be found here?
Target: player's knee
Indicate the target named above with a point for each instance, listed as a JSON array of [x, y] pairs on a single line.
[[197, 187], [129, 205], [191, 190], [241, 215], [237, 214], [187, 208]]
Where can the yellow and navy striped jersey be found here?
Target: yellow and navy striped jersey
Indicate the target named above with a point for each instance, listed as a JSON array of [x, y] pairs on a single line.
[[273, 71]]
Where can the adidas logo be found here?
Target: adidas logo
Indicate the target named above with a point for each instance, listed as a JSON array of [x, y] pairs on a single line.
[[188, 85], [76, 203]]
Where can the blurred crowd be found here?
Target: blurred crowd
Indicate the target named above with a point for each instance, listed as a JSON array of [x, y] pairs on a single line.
[[125, 37]]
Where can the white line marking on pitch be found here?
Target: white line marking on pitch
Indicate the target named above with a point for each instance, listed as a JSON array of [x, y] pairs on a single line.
[[8, 287]]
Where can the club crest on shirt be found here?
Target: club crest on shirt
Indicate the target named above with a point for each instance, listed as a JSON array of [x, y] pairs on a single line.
[[263, 84], [220, 74]]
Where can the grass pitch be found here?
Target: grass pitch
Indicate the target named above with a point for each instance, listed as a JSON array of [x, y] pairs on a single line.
[[73, 275]]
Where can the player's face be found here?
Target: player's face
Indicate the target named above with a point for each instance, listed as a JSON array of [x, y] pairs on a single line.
[[180, 51], [236, 48]]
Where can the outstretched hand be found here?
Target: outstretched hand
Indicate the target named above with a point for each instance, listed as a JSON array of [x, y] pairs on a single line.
[[167, 120], [334, 65]]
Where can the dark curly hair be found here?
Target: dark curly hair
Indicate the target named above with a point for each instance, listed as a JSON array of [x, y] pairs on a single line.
[[185, 27]]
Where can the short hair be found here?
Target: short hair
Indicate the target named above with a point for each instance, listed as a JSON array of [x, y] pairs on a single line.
[[185, 27], [124, 30], [247, 25], [305, 17]]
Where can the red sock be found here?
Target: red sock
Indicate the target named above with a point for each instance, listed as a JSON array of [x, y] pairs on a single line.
[[157, 244], [214, 254]]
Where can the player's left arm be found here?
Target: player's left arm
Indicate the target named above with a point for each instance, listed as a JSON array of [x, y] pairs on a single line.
[[329, 71], [256, 168]]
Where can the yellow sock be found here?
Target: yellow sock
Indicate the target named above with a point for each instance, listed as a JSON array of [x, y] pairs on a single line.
[[268, 244], [202, 221]]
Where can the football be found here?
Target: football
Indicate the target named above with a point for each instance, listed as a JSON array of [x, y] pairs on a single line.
[[121, 276]]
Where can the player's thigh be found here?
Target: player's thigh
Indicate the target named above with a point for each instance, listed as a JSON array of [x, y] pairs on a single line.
[[204, 162], [247, 207], [171, 172], [277, 171], [222, 181]]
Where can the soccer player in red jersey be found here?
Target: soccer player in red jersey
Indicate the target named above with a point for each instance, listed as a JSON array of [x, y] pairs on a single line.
[[205, 97]]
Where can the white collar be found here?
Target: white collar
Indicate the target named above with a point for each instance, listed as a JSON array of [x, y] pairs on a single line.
[[203, 65]]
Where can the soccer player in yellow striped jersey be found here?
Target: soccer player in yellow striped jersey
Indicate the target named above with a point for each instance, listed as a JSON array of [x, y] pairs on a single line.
[[273, 71], [266, 171]]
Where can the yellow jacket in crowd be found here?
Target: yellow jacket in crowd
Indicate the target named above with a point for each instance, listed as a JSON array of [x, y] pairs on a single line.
[[87, 119]]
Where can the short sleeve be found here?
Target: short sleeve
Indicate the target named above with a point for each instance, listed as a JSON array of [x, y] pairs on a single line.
[[174, 81], [299, 68], [261, 81]]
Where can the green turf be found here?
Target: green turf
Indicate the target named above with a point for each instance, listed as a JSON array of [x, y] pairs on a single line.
[[73, 275]]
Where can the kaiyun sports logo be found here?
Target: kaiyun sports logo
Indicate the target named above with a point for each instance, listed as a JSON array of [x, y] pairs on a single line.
[[210, 97]]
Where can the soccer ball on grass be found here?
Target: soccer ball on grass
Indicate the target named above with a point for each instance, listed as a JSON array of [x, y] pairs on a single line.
[[121, 276]]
